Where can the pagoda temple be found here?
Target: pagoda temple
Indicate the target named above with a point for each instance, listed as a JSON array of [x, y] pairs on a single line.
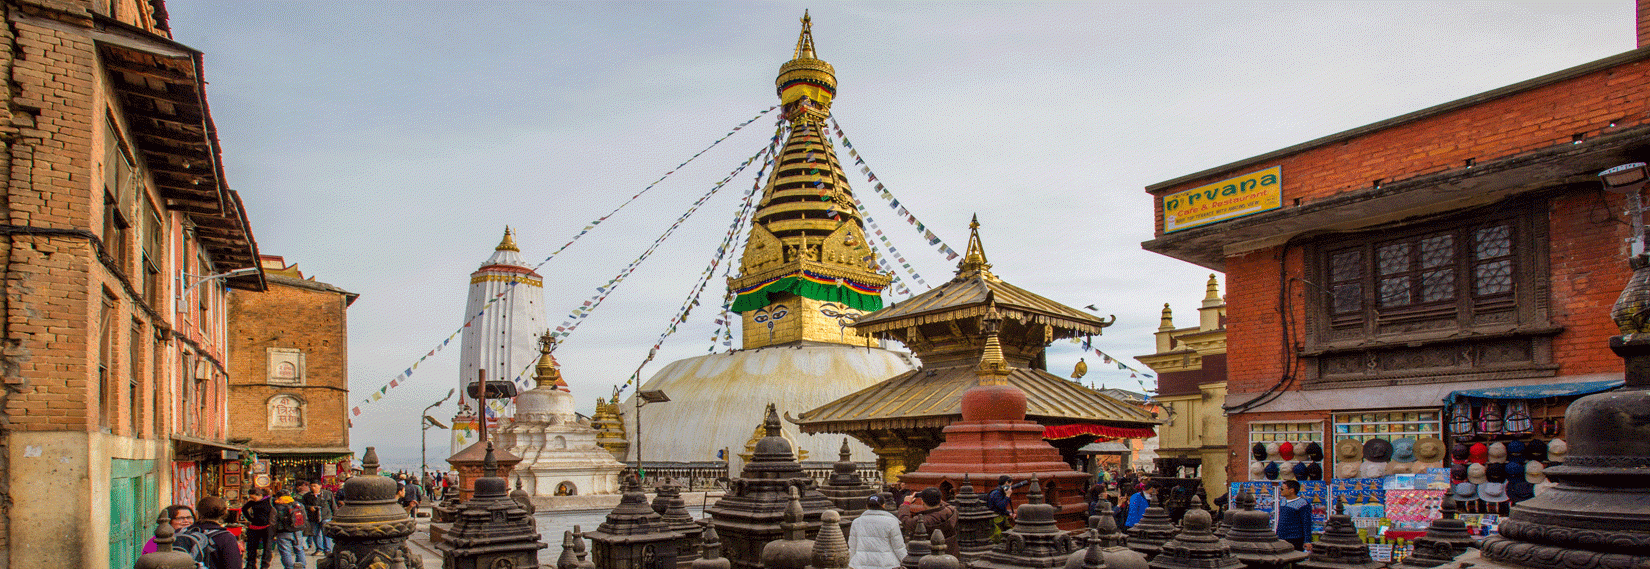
[[901, 418], [499, 342], [806, 273]]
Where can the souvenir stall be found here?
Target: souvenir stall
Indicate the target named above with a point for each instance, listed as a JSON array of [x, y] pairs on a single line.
[[1502, 439]]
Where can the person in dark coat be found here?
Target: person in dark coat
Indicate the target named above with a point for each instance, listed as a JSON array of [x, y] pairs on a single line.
[[259, 514], [935, 515], [226, 550]]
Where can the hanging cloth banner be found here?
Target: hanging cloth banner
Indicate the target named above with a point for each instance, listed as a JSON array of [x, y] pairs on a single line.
[[804, 283], [406, 375]]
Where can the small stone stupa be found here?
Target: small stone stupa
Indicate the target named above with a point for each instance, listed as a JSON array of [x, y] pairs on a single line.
[[1448, 532], [710, 552], [1113, 546], [1339, 547], [794, 550], [942, 560], [672, 509], [845, 488], [1196, 547], [370, 529], [560, 456], [491, 529], [1153, 530], [1035, 542], [164, 557], [634, 536], [917, 547], [830, 547], [750, 514], [1253, 540], [974, 522]]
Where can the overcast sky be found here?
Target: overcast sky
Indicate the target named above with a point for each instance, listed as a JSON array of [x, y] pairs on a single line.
[[383, 146]]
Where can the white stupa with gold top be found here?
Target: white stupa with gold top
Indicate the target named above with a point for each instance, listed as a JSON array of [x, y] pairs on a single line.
[[502, 341], [559, 453], [807, 271]]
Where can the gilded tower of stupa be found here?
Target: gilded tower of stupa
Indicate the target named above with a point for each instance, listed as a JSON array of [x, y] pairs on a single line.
[[806, 273]]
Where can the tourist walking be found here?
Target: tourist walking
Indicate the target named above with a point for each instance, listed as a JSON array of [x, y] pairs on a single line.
[[874, 539], [289, 525], [1294, 515], [180, 516], [318, 504], [259, 514], [212, 546], [1138, 504], [934, 515]]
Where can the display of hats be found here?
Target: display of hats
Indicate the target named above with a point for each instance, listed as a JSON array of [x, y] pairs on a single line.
[[1515, 451], [1314, 451], [1258, 451], [1273, 452], [1477, 474], [1287, 451], [1403, 449], [1535, 472], [1496, 472], [1479, 453], [1515, 470], [1348, 450], [1372, 469], [1314, 471], [1492, 492], [1377, 450], [1458, 472], [1557, 450], [1257, 470], [1536, 450], [1466, 492], [1271, 471], [1300, 471], [1497, 452], [1429, 449]]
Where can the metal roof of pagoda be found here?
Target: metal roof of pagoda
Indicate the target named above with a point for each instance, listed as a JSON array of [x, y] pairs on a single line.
[[933, 398]]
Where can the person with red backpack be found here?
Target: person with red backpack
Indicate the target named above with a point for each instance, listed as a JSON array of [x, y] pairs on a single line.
[[212, 546], [259, 514], [289, 528]]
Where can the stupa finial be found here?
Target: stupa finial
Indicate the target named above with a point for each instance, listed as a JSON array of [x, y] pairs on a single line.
[[993, 369], [974, 259], [770, 423], [509, 242], [805, 41]]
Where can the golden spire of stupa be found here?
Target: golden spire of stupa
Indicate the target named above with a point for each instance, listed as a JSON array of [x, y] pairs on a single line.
[[547, 371], [509, 242], [993, 369], [974, 260], [807, 269]]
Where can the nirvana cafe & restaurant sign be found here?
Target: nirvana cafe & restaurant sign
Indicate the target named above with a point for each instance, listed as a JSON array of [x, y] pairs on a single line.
[[1227, 199]]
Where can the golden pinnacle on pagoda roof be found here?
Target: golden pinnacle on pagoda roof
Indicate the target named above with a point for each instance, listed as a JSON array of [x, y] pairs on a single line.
[[993, 369], [1166, 322], [509, 242], [974, 260]]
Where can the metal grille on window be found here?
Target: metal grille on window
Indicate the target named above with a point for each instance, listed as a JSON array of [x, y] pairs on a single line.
[[1494, 273], [1389, 260], [1345, 271]]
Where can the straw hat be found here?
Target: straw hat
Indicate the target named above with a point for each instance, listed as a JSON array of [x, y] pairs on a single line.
[[1429, 449], [1372, 469], [1347, 469], [1348, 450], [1476, 474]]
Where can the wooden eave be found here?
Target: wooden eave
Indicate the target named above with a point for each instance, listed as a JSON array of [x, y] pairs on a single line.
[[968, 295], [162, 95]]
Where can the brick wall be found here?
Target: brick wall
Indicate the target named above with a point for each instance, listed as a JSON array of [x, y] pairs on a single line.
[[309, 318], [1588, 254]]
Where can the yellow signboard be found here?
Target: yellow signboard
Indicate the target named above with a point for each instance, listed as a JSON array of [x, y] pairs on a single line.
[[1227, 199]]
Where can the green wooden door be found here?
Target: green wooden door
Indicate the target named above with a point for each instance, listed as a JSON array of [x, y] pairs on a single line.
[[133, 505]]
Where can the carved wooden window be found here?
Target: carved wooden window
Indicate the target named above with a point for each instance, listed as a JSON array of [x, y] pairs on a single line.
[[1450, 296]]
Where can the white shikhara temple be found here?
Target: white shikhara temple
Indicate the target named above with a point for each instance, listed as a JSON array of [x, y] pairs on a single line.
[[559, 455], [500, 341]]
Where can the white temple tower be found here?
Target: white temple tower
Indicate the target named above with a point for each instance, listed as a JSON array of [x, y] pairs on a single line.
[[559, 454], [501, 341]]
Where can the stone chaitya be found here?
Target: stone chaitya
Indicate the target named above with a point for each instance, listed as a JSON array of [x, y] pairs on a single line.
[[634, 536], [491, 529], [1113, 545], [1153, 530], [750, 514], [164, 557], [1034, 542], [672, 510], [1196, 547], [942, 560], [1339, 547], [370, 529], [830, 546], [560, 455], [1446, 539], [793, 550], [1252, 539], [845, 488], [710, 552], [974, 522], [917, 547]]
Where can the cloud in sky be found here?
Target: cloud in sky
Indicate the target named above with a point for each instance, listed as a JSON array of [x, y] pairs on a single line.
[[383, 146]]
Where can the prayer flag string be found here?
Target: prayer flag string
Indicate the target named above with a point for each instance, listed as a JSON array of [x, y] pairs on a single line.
[[1087, 343], [922, 229]]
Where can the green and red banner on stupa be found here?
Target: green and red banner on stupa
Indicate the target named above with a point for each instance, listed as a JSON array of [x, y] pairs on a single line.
[[856, 295]]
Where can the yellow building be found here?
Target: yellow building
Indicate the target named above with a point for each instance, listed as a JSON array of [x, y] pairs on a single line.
[[1191, 386]]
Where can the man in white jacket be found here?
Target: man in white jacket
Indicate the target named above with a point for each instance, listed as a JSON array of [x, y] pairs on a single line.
[[874, 539]]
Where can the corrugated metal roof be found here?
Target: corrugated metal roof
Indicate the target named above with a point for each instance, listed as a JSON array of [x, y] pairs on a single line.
[[967, 295], [937, 394]]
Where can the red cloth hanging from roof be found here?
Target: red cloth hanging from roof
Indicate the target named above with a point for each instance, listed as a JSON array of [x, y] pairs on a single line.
[[1103, 431]]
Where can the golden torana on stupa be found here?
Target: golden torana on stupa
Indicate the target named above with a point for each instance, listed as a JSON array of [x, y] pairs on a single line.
[[806, 273]]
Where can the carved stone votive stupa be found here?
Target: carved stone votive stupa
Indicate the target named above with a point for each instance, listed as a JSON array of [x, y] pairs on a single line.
[[1196, 547], [1034, 542], [634, 536], [1111, 545], [672, 509], [1339, 547], [710, 552], [917, 547], [845, 488], [1252, 539], [370, 529], [1448, 532], [1153, 530], [830, 547], [940, 559], [795, 550], [491, 529], [974, 521], [164, 557], [750, 515]]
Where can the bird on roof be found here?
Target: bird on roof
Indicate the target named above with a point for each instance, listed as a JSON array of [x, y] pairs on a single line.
[[1081, 370], [1091, 307]]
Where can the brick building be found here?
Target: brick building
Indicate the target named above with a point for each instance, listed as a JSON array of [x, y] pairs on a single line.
[[1374, 272], [1191, 386], [289, 377], [120, 238]]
